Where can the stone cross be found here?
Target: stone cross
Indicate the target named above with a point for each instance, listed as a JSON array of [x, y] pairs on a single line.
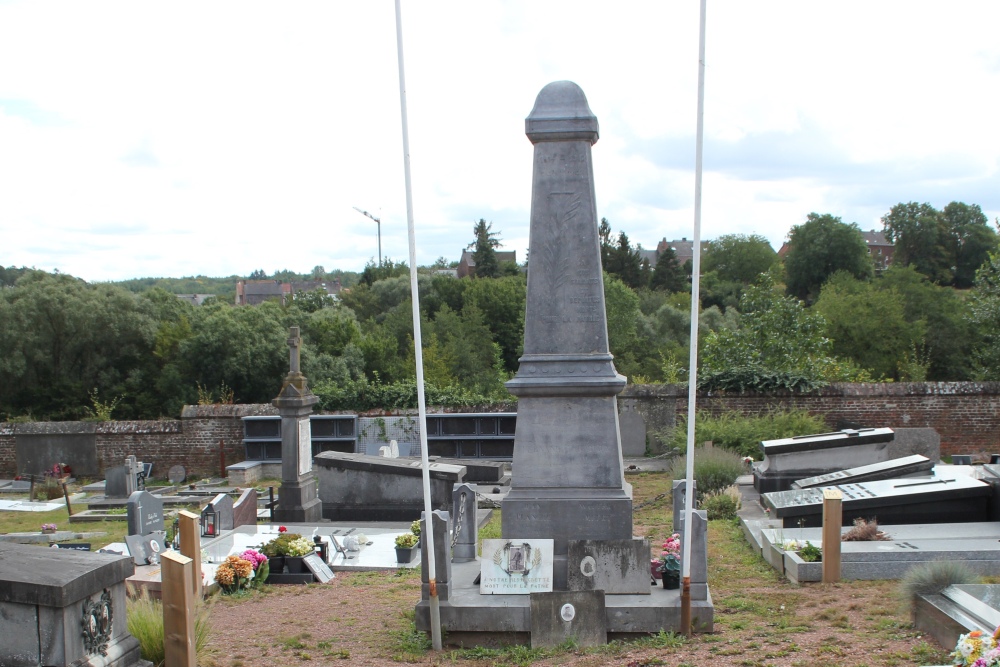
[[293, 349]]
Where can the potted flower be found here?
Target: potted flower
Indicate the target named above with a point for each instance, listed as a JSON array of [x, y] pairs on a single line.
[[670, 562], [406, 547], [48, 528], [277, 549], [297, 548]]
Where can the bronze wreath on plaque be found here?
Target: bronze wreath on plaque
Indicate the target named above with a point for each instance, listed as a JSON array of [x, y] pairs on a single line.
[[97, 621]]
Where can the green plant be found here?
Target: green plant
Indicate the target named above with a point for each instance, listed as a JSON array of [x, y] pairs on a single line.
[[415, 527], [933, 577], [406, 541], [280, 546], [714, 469], [741, 433], [810, 553], [722, 504], [144, 619], [101, 410]]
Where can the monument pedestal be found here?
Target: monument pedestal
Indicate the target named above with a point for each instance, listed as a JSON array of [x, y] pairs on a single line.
[[298, 501]]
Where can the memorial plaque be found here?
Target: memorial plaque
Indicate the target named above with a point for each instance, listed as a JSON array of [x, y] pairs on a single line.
[[146, 549], [612, 566], [320, 570], [516, 567], [908, 465], [145, 513], [305, 447]]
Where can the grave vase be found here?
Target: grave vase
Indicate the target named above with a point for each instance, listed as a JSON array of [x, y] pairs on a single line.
[[406, 554], [671, 579], [295, 564], [276, 564], [48, 531]]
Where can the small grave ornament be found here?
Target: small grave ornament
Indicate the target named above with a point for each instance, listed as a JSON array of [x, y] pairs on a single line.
[[209, 523], [97, 622]]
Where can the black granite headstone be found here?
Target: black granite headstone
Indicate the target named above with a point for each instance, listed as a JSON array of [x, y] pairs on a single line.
[[892, 501]]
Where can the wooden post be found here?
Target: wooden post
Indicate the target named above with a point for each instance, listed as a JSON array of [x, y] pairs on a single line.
[[833, 515], [69, 508], [178, 610], [190, 539]]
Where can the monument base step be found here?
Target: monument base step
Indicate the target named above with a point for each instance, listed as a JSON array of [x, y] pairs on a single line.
[[471, 619]]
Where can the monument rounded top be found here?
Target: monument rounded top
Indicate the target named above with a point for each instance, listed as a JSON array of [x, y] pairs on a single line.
[[561, 113]]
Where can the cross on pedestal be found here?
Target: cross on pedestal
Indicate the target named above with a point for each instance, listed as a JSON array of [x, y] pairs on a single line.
[[293, 349]]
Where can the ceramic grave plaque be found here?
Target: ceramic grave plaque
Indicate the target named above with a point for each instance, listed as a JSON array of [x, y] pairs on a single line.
[[516, 567]]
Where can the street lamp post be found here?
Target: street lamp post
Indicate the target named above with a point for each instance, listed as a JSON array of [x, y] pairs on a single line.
[[379, 223]]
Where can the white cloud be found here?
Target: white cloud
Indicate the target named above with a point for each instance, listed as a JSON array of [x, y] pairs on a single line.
[[183, 138]]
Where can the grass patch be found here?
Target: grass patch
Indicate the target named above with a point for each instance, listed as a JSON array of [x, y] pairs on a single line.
[[145, 623], [741, 434], [714, 469]]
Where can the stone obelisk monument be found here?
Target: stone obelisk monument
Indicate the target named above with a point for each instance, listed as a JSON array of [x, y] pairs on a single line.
[[568, 480], [298, 501]]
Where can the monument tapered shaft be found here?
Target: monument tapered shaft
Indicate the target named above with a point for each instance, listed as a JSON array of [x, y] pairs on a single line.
[[568, 480]]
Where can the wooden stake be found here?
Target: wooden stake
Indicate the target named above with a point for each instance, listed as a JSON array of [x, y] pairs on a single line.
[[178, 610], [190, 539], [833, 516], [69, 508]]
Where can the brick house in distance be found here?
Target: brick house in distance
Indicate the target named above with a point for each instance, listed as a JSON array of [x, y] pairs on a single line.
[[256, 292]]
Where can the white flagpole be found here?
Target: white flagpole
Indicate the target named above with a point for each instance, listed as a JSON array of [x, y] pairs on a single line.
[[693, 358], [428, 534]]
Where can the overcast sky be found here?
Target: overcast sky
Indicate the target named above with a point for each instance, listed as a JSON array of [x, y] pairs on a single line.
[[215, 138]]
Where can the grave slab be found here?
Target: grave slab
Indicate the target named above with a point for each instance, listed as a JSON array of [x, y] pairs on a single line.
[[789, 459], [907, 466], [908, 500]]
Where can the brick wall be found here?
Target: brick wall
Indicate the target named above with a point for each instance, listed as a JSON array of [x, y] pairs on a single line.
[[965, 414], [192, 441]]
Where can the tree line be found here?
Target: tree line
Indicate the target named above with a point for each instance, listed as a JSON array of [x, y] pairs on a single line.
[[69, 349]]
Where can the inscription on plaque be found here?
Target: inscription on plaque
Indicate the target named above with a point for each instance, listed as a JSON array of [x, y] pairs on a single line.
[[516, 567], [305, 446]]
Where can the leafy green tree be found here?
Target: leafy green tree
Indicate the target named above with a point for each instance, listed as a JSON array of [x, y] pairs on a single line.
[[779, 345], [868, 325], [969, 240], [626, 263], [465, 344], [331, 330], [950, 335], [257, 274], [668, 274], [985, 316], [607, 247], [63, 339], [739, 257], [621, 304], [388, 269], [820, 247], [243, 347], [312, 300], [485, 255], [501, 303], [917, 232]]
